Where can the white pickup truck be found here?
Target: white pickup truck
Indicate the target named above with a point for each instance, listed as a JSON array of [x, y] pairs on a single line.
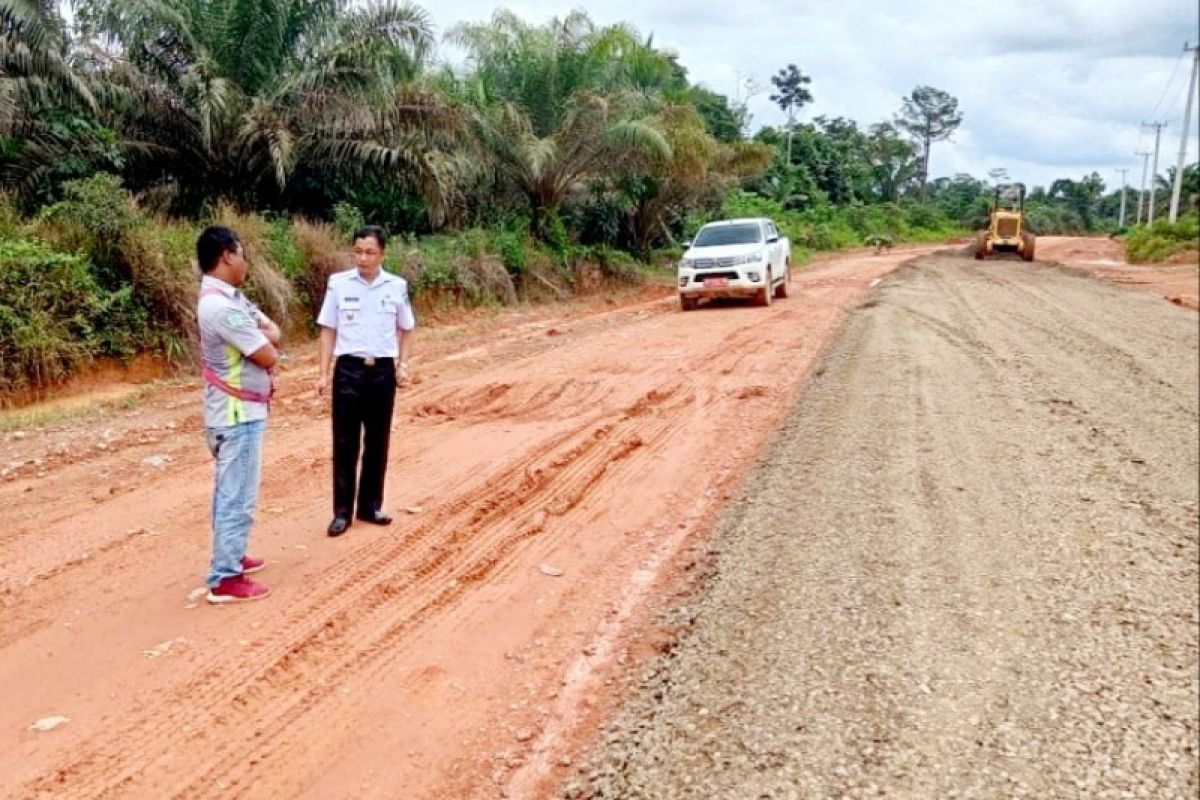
[[736, 258]]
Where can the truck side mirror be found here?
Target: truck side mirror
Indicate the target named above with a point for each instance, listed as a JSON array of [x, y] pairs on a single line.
[[772, 239], [687, 244]]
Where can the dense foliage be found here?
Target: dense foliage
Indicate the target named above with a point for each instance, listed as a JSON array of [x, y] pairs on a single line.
[[559, 154]]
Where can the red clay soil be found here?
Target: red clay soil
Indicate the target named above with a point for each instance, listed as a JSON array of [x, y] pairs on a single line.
[[1178, 280], [550, 473], [430, 659]]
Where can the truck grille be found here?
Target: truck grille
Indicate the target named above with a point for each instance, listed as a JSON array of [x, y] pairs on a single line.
[[713, 263], [1006, 228]]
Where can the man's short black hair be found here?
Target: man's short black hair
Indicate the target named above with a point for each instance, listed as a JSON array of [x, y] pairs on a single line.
[[372, 231], [214, 242]]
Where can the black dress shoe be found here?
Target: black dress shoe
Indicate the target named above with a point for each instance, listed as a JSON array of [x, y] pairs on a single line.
[[338, 526], [377, 518]]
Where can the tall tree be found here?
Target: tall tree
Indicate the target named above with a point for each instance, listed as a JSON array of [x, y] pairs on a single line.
[[34, 60], [47, 123], [553, 105], [658, 192], [719, 115], [791, 96], [225, 99], [893, 161], [928, 115], [1080, 196]]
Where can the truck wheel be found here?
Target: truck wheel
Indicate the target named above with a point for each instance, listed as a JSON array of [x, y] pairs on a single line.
[[781, 291], [1029, 247], [980, 246], [763, 296], [688, 303]]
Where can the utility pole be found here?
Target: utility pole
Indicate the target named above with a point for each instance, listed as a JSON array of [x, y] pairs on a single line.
[[1183, 140], [1142, 192], [1121, 222], [1158, 126]]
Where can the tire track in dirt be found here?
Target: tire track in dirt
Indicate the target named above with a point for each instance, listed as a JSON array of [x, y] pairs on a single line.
[[613, 405], [383, 573], [471, 541]]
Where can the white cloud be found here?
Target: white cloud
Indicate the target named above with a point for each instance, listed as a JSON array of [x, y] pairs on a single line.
[[1054, 90]]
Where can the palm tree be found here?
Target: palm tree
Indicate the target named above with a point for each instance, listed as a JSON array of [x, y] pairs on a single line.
[[658, 192], [222, 99], [46, 104], [555, 104], [34, 61]]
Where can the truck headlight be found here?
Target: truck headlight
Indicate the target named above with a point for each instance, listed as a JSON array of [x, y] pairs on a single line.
[[687, 263], [749, 258]]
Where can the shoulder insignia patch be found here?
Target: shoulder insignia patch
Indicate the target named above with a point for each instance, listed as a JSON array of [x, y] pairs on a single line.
[[236, 318]]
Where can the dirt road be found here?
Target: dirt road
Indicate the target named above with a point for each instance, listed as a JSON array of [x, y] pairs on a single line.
[[445, 656], [436, 655], [967, 567], [1175, 281]]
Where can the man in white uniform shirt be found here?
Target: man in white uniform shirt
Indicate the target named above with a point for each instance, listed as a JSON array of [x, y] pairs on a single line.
[[366, 329]]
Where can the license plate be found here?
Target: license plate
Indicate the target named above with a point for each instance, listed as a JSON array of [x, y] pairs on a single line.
[[711, 282]]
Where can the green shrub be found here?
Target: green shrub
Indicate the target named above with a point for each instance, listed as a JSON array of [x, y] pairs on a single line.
[[824, 226], [347, 219], [615, 265], [10, 219], [49, 306], [283, 249], [159, 260], [513, 248], [452, 269], [1054, 219], [1160, 241], [93, 218]]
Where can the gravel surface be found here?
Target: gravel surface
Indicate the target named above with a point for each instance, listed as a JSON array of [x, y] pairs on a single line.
[[967, 566]]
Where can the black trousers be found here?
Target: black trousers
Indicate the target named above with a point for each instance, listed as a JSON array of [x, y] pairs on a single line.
[[363, 397]]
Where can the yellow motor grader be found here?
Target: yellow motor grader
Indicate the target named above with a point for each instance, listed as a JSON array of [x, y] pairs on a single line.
[[1008, 229]]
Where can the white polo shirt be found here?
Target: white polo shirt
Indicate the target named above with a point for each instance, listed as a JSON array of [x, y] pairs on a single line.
[[365, 315]]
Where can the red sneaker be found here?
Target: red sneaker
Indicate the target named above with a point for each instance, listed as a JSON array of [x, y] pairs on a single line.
[[236, 590], [252, 565]]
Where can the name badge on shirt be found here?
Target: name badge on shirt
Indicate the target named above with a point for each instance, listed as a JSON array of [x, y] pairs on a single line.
[[349, 307]]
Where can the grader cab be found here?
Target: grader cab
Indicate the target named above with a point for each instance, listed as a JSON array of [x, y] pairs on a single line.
[[1008, 230]]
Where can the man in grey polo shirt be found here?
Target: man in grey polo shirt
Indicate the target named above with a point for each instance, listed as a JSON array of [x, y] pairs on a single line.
[[237, 349]]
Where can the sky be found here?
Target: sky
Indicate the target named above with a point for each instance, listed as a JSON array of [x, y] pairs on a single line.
[[1058, 92]]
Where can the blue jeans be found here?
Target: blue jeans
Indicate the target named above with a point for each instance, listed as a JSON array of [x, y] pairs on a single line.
[[237, 450]]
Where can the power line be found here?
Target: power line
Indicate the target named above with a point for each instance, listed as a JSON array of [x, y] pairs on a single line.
[[1170, 83], [1167, 88]]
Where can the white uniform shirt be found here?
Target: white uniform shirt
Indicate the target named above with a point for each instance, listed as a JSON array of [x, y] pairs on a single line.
[[365, 315]]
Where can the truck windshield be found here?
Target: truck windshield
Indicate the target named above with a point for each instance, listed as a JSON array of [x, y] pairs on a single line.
[[728, 234]]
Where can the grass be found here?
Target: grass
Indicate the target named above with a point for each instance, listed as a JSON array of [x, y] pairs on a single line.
[[40, 416], [1158, 242]]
